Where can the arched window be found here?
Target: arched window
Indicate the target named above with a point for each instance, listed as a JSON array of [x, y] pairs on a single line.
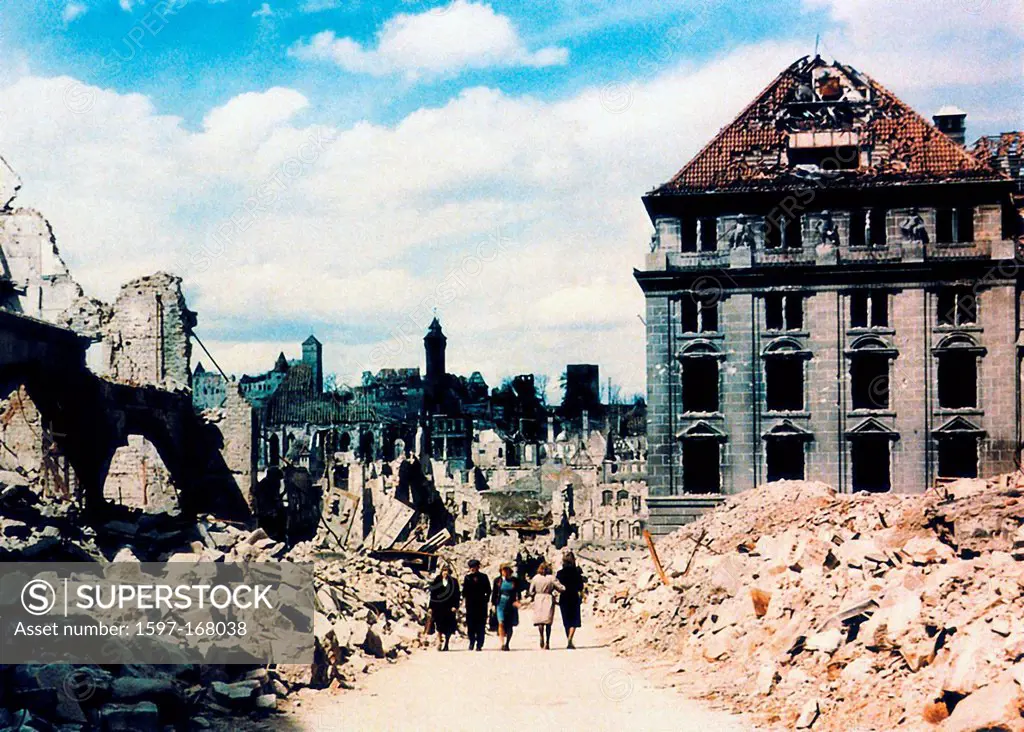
[[870, 359], [958, 356], [784, 375], [699, 371], [606, 498]]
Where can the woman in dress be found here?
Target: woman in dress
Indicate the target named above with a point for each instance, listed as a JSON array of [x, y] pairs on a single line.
[[444, 602], [505, 599], [542, 590], [570, 599]]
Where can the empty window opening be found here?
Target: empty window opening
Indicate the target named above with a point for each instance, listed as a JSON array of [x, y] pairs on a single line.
[[701, 468], [784, 312], [785, 459], [699, 313], [870, 464], [869, 309], [707, 233], [869, 380], [782, 231], [958, 456], [958, 380], [875, 233], [954, 225], [606, 498], [700, 384], [689, 234], [621, 497], [957, 306], [784, 384], [843, 157], [859, 227]]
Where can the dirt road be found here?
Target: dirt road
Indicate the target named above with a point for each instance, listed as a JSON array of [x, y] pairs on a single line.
[[525, 689]]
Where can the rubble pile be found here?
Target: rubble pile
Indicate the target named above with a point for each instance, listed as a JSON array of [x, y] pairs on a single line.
[[32, 529], [825, 611]]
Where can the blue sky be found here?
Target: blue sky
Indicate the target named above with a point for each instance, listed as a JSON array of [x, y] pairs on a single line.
[[486, 159]]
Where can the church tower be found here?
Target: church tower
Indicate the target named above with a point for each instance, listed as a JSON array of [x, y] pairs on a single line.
[[434, 343]]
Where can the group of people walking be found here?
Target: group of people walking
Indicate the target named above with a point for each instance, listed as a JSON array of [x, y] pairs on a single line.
[[498, 604]]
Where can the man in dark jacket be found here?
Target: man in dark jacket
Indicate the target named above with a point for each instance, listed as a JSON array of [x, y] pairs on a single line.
[[476, 589]]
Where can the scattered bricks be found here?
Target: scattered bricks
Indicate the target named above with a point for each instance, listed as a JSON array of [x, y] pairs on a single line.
[[760, 599], [996, 707], [808, 715]]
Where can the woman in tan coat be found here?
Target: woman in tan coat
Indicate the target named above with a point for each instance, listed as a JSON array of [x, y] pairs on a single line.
[[542, 589]]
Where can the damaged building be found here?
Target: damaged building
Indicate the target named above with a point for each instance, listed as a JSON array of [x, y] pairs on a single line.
[[832, 294]]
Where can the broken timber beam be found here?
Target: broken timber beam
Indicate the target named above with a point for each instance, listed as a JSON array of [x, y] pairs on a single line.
[[654, 557]]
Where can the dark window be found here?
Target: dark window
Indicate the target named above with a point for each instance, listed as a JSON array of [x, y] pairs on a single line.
[[689, 234], [958, 456], [879, 309], [844, 157], [869, 309], [621, 497], [876, 235], [794, 312], [870, 464], [785, 458], [773, 312], [698, 314], [784, 383], [954, 224], [858, 228], [701, 470], [700, 384], [606, 498], [957, 306], [773, 230], [783, 312], [708, 235], [869, 380], [792, 237], [958, 380]]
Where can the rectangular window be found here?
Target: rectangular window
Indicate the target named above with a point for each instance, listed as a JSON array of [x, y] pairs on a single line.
[[877, 235], [957, 306], [708, 234], [792, 236], [701, 468], [844, 157], [784, 384], [783, 312], [954, 225], [689, 234], [958, 380], [869, 309], [870, 464], [858, 228], [698, 315], [958, 456], [869, 381], [700, 385], [785, 459]]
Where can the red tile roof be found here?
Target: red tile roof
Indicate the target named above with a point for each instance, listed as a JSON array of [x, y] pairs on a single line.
[[1002, 152], [897, 145]]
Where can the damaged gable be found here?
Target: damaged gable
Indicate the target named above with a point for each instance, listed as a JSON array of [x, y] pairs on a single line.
[[825, 117]]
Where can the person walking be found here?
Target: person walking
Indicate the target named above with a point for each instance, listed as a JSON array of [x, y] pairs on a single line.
[[542, 589], [571, 597], [476, 590], [444, 602], [505, 598]]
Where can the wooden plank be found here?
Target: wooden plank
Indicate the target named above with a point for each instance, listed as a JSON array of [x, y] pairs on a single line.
[[654, 557]]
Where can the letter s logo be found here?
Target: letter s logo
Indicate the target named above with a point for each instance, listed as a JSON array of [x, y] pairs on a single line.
[[38, 597]]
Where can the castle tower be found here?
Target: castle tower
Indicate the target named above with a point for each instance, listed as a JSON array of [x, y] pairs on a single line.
[[313, 356], [434, 344]]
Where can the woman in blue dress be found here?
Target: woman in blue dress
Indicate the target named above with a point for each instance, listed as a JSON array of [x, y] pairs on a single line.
[[505, 599]]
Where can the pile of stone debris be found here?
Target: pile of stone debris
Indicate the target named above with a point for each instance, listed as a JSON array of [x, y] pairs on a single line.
[[812, 609], [368, 613]]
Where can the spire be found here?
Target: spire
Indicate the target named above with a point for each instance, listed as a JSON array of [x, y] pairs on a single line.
[[281, 364], [199, 369]]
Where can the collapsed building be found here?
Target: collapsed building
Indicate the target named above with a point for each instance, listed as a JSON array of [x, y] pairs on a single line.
[[832, 294], [100, 411]]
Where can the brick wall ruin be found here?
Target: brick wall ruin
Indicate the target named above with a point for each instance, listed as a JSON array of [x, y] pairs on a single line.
[[147, 339]]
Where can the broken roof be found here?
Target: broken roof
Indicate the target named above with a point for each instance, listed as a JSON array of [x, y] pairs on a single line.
[[297, 401], [1001, 152], [815, 104]]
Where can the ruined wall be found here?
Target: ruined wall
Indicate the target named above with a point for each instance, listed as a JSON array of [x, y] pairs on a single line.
[[147, 339], [236, 424], [138, 478]]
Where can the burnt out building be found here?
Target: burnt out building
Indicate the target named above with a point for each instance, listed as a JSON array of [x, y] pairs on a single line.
[[833, 294]]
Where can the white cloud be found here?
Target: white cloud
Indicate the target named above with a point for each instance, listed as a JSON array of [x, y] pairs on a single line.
[[319, 6], [126, 5], [264, 11], [462, 35], [915, 44], [73, 11]]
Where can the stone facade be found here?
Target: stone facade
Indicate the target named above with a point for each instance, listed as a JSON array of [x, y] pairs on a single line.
[[148, 337], [822, 321]]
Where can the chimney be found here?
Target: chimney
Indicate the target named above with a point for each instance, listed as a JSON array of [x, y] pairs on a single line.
[[551, 430], [953, 122]]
